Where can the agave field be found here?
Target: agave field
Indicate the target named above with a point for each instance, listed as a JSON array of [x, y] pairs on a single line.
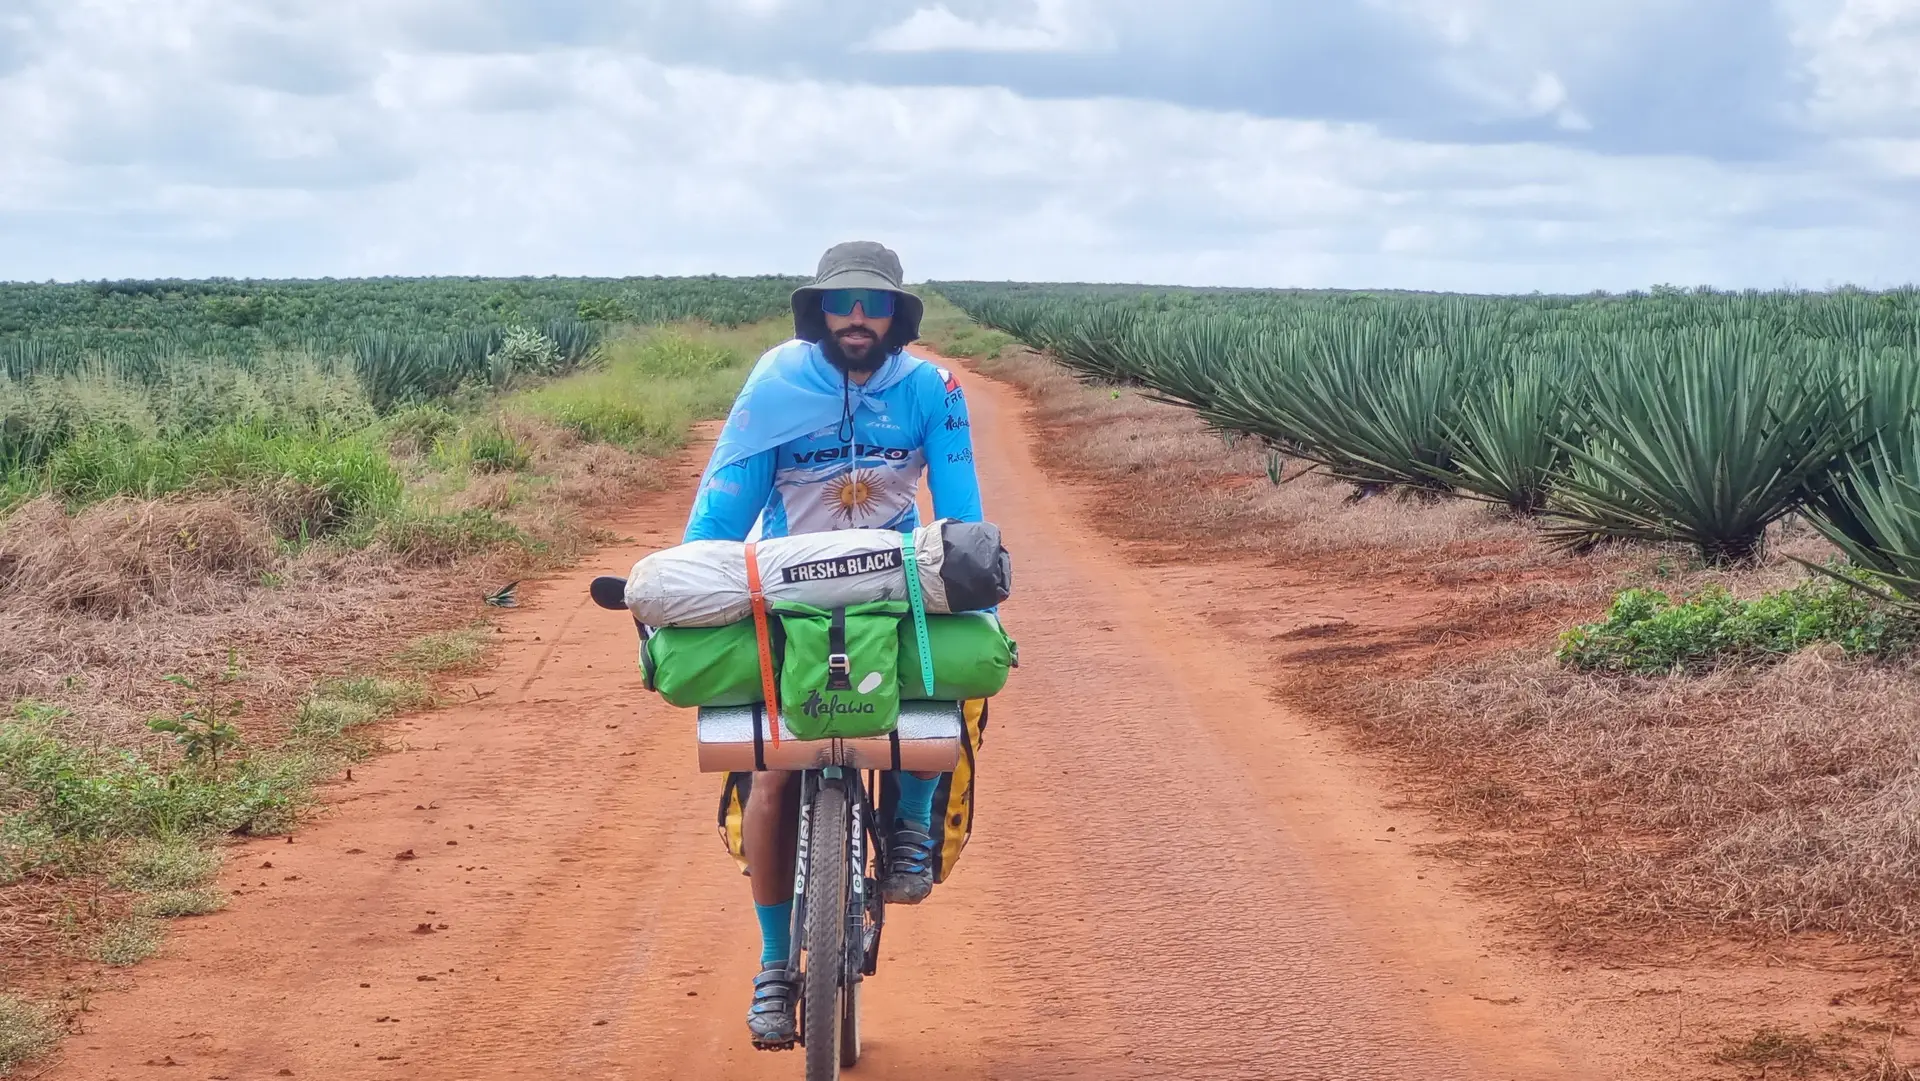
[[131, 325], [1688, 416], [141, 355]]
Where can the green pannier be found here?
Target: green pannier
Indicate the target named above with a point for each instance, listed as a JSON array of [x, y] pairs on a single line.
[[720, 666], [840, 675], [705, 666], [971, 657]]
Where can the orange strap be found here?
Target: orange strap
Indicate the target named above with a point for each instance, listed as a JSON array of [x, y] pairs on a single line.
[[763, 633]]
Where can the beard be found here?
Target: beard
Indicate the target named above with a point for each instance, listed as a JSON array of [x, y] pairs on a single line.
[[855, 349]]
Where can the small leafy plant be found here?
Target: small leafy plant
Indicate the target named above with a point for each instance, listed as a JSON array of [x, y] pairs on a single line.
[[204, 729], [1647, 632]]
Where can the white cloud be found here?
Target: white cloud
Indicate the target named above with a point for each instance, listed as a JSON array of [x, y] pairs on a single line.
[[1057, 26], [1863, 59], [137, 147]]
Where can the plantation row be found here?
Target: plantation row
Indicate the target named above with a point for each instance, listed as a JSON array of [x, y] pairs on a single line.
[[407, 339], [1679, 416], [97, 366]]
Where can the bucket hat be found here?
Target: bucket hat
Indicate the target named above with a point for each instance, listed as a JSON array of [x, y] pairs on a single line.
[[857, 264]]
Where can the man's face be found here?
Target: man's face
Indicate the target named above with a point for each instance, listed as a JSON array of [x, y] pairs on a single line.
[[858, 336]]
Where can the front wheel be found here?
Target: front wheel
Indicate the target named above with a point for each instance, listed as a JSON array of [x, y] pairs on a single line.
[[826, 933]]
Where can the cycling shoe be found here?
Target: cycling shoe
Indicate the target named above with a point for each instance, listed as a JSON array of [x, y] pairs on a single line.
[[909, 877], [770, 1019]]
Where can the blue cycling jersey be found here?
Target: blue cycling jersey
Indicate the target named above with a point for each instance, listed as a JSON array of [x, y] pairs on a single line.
[[860, 471]]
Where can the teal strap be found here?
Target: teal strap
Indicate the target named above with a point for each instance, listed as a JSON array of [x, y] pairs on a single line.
[[919, 611]]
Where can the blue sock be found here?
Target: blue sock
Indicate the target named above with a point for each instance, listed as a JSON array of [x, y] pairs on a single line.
[[916, 799], [776, 932]]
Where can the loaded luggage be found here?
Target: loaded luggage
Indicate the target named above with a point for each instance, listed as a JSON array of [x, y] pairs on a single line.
[[873, 648]]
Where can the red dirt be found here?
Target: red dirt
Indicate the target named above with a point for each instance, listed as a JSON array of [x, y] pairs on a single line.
[[1172, 875]]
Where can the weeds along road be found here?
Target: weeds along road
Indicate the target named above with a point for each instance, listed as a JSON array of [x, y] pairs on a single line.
[[1170, 877]]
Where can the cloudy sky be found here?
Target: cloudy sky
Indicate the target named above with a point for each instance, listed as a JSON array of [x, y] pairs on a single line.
[[1485, 145]]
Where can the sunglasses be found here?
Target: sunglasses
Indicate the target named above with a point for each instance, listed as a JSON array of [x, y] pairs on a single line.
[[877, 303]]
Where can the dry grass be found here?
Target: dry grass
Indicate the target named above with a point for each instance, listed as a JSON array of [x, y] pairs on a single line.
[[128, 555], [1777, 799], [329, 613]]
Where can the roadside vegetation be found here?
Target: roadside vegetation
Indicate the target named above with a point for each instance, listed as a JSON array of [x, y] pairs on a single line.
[[953, 333], [1651, 752], [220, 570], [1696, 418]]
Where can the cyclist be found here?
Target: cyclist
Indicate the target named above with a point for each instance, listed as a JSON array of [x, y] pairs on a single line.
[[832, 431]]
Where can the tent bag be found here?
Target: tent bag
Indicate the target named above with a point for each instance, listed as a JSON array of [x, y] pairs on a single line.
[[959, 566], [840, 676]]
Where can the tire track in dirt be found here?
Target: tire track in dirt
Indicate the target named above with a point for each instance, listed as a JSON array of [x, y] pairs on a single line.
[[1170, 877]]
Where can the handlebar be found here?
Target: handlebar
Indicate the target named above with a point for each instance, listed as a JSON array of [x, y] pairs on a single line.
[[609, 592]]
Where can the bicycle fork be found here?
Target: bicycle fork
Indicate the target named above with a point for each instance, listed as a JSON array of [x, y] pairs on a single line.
[[863, 942]]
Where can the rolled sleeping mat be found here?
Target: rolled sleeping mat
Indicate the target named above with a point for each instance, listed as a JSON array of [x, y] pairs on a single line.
[[962, 567], [926, 739], [720, 666]]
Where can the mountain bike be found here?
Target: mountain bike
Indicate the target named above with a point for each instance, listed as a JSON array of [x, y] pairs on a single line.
[[838, 913]]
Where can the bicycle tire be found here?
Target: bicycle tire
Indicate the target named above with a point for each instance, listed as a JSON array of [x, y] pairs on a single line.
[[826, 931]]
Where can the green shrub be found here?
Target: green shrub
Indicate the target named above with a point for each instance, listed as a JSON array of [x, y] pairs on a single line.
[[317, 483], [602, 310], [195, 396], [523, 351], [646, 389], [1648, 632], [413, 431], [56, 789], [490, 448], [608, 420]]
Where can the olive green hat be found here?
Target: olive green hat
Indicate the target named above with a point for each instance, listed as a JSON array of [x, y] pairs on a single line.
[[857, 264]]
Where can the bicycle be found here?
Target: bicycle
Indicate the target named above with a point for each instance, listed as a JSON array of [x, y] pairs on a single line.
[[838, 912]]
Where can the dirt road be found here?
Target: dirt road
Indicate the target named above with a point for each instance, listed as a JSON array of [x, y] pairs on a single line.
[[1170, 878]]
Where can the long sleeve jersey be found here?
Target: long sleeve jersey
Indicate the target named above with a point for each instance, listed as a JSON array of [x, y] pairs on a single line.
[[860, 473]]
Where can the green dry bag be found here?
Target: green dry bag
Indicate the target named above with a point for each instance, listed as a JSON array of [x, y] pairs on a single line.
[[840, 674], [705, 666], [971, 656]]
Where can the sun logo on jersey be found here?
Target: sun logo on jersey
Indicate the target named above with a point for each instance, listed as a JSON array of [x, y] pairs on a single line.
[[853, 494]]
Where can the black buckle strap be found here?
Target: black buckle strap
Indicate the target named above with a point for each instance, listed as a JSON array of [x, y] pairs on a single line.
[[839, 665]]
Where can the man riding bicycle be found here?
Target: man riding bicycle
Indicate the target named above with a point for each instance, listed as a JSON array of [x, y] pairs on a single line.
[[833, 431]]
